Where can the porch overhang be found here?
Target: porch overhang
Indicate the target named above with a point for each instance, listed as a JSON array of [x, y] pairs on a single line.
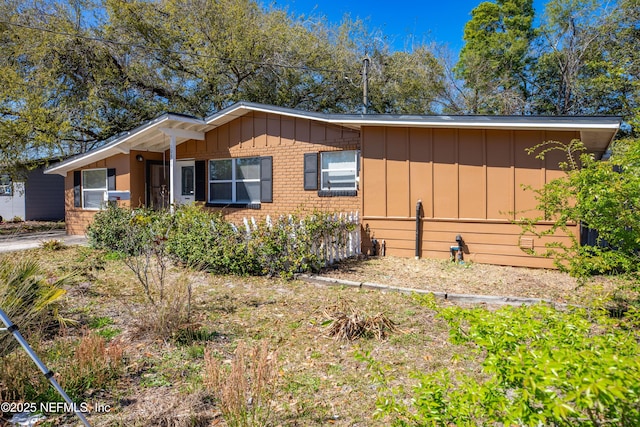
[[153, 136]]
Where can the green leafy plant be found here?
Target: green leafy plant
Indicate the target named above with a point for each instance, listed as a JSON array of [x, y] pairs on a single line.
[[600, 195], [29, 298], [540, 366], [110, 230]]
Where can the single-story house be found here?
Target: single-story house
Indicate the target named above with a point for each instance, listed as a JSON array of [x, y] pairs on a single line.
[[468, 172], [32, 197]]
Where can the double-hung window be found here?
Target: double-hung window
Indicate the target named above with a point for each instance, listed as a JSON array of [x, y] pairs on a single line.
[[94, 188], [6, 185], [235, 180], [339, 170]]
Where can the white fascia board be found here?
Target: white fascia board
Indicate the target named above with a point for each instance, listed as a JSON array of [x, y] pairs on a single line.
[[357, 122], [551, 125], [184, 119], [239, 110], [83, 160]]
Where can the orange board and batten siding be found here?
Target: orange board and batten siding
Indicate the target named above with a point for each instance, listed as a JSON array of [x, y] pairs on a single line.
[[470, 182], [286, 139]]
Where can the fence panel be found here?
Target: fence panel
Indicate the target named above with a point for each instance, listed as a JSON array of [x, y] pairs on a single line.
[[343, 242]]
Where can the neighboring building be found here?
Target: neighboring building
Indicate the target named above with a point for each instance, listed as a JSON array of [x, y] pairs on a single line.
[[253, 160], [37, 197]]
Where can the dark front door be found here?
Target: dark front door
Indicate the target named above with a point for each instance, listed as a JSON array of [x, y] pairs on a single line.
[[157, 185]]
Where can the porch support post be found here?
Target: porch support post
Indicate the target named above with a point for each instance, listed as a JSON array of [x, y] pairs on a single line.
[[172, 169]]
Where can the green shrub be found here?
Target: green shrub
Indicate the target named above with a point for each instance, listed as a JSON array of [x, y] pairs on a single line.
[[291, 244], [111, 229], [600, 195], [205, 240], [540, 366]]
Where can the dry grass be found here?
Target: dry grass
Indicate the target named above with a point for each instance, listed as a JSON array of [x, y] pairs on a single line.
[[167, 382], [167, 316], [95, 361], [349, 324], [246, 390]]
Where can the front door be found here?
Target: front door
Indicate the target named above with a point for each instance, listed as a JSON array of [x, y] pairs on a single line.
[[157, 185], [185, 182]]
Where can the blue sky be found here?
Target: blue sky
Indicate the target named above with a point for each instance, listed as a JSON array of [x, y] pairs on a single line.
[[400, 21]]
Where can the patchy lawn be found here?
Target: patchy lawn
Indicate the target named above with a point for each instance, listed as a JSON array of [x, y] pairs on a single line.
[[319, 381]]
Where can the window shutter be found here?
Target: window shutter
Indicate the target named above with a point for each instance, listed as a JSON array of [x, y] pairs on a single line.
[[311, 171], [111, 179], [77, 191], [201, 180], [266, 179]]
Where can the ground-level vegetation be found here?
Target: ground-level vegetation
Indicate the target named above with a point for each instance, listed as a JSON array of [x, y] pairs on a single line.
[[241, 350]]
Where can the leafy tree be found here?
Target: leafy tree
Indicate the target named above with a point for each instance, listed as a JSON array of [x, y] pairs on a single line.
[[408, 83], [571, 59], [61, 90], [622, 43], [494, 60]]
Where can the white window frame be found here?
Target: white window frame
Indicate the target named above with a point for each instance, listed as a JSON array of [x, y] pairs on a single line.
[[354, 169], [6, 189], [234, 181], [95, 190]]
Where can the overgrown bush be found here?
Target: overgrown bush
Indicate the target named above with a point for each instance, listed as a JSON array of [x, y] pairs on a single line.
[[141, 237], [603, 196], [540, 366], [111, 228], [205, 240]]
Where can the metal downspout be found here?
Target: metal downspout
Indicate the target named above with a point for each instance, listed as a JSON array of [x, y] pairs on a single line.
[[418, 218]]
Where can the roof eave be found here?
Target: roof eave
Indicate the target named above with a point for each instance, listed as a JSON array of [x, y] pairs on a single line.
[[119, 145]]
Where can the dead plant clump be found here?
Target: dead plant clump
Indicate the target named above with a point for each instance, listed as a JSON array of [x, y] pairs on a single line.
[[95, 363], [347, 323], [17, 375], [246, 391], [167, 315]]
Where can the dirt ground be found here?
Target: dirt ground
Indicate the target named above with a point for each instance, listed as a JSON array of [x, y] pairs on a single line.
[[470, 278]]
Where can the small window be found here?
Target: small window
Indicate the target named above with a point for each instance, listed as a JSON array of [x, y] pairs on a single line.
[[339, 170], [6, 185], [94, 188], [234, 180], [188, 174]]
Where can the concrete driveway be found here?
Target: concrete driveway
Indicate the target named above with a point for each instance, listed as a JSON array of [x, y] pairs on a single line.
[[34, 240]]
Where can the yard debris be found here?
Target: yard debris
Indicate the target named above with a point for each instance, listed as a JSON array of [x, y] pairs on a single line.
[[347, 323]]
